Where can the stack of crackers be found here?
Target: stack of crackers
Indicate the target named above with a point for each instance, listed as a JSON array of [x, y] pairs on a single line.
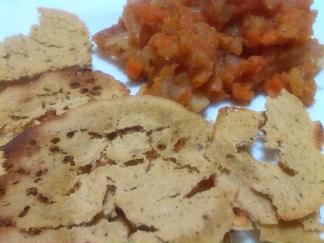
[[85, 162]]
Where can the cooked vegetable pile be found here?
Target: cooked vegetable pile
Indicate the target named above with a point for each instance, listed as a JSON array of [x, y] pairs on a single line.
[[196, 52]]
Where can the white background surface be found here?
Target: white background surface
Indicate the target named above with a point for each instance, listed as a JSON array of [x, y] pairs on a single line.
[[16, 16]]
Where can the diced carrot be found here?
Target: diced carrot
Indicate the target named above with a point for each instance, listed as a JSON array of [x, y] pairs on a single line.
[[184, 96], [242, 92], [151, 14], [273, 86], [134, 68], [270, 38]]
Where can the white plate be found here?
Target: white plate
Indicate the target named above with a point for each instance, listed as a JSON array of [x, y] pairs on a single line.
[[16, 16]]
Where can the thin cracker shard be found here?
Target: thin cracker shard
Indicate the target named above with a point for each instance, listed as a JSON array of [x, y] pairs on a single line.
[[23, 100], [53, 208], [288, 232], [48, 47], [312, 223], [302, 193], [292, 189], [233, 128]]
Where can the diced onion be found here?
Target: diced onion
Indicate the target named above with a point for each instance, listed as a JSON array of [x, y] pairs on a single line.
[[120, 40]]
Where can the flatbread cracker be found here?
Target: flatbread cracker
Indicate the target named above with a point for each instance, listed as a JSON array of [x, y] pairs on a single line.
[[80, 157], [288, 120], [150, 164], [60, 40], [238, 126], [172, 212], [57, 198], [237, 129], [53, 93], [295, 186]]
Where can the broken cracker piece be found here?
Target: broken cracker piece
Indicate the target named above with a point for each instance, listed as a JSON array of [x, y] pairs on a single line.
[[54, 197], [287, 121], [295, 185], [238, 126], [60, 40], [53, 93], [288, 233], [235, 130], [218, 223], [174, 195], [56, 163], [312, 223]]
